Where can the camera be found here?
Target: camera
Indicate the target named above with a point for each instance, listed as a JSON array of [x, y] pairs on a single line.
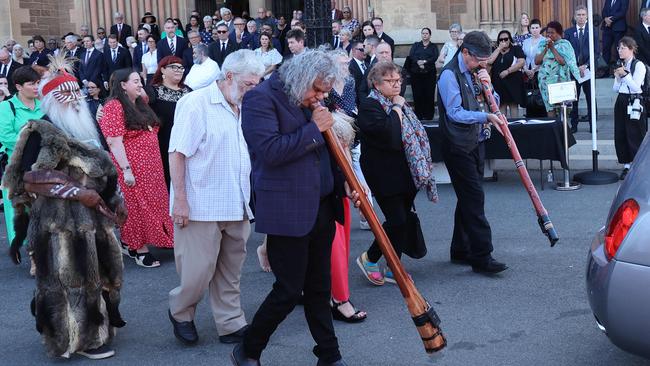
[[619, 63], [634, 110]]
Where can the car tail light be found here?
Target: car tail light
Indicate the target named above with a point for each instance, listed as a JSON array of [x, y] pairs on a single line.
[[619, 226]]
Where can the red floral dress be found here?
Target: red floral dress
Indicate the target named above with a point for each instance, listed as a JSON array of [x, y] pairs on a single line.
[[147, 202]]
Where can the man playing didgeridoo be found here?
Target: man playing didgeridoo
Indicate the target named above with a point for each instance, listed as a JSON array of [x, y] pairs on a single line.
[[465, 128], [298, 196]]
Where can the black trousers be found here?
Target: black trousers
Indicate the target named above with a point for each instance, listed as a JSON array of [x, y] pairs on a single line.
[[301, 266], [424, 92], [586, 87], [395, 209], [472, 234], [610, 38], [628, 133]]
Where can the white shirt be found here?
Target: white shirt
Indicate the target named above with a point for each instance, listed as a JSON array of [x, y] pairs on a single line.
[[631, 84], [530, 50], [150, 61], [203, 74], [217, 164], [268, 58]]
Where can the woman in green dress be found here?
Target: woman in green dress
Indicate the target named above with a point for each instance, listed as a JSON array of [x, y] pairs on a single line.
[[14, 113], [557, 61]]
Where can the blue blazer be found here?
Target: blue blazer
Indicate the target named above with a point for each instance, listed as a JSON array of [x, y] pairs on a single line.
[[137, 57], [618, 13], [92, 70], [164, 50], [571, 35], [285, 148]]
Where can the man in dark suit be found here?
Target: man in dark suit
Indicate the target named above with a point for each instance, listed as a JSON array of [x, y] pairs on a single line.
[[121, 30], [579, 38], [337, 14], [73, 53], [172, 44], [92, 63], [614, 25], [642, 36], [188, 56], [115, 58], [378, 24], [222, 47], [140, 49], [298, 198], [369, 45], [357, 66], [645, 4], [7, 68]]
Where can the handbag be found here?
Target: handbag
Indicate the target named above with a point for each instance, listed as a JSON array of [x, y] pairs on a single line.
[[533, 94], [415, 247]]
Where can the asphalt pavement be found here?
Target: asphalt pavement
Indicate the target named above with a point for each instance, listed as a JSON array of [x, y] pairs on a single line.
[[535, 313]]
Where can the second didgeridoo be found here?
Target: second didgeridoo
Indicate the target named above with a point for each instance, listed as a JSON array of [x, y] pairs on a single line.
[[424, 316], [543, 219]]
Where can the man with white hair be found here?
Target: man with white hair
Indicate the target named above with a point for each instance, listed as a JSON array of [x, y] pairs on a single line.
[[204, 71], [73, 53], [298, 196], [120, 29], [210, 170], [61, 172], [227, 19]]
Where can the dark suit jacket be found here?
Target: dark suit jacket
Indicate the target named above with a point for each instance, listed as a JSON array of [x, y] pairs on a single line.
[[383, 160], [642, 38], [188, 60], [164, 50], [126, 32], [571, 35], [286, 149], [363, 90], [122, 61], [9, 74], [386, 38], [40, 58], [617, 13], [357, 73], [92, 70], [77, 64], [214, 51], [137, 57]]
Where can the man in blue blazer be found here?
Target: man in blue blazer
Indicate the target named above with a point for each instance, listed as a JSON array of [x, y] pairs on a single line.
[[171, 43], [115, 57], [298, 196], [92, 62], [140, 49], [579, 38], [614, 25]]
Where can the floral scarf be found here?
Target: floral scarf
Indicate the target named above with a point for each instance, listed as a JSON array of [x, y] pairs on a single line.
[[416, 147]]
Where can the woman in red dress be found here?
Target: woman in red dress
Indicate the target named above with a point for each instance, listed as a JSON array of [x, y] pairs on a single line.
[[131, 130]]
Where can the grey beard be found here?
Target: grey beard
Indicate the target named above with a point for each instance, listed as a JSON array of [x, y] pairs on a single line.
[[73, 118]]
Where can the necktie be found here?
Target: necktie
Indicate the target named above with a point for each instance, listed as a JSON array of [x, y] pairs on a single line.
[[581, 34], [172, 47], [119, 32], [145, 48], [336, 42], [4, 70], [363, 67], [68, 54], [87, 56], [223, 47], [114, 54]]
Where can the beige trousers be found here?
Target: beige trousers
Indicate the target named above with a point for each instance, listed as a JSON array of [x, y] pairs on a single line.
[[210, 255]]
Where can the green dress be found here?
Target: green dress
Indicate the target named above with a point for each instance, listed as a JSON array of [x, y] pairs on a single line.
[[551, 72], [10, 126]]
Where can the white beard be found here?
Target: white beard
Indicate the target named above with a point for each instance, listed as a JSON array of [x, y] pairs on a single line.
[[72, 118]]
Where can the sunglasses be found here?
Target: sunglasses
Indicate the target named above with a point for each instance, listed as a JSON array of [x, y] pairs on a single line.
[[504, 39], [222, 32], [101, 32], [360, 49]]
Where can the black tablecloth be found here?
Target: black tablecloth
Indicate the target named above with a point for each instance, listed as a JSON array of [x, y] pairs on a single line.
[[543, 141]]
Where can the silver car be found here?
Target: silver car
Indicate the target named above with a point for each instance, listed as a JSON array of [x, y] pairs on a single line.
[[618, 270]]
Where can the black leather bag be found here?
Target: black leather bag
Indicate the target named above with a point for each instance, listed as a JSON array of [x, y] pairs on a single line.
[[415, 247], [534, 103]]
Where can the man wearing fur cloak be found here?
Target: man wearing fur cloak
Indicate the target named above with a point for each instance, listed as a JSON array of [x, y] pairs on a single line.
[[63, 186]]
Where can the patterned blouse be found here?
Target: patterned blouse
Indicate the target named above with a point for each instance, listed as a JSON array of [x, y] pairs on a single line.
[[520, 38], [352, 25]]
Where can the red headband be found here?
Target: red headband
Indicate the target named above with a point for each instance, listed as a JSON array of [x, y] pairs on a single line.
[[54, 83]]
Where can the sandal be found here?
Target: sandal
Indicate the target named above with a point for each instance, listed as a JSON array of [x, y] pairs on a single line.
[[357, 317], [388, 276], [370, 270], [126, 251], [146, 260]]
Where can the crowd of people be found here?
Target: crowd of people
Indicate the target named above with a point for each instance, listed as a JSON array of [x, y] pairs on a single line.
[[181, 138]]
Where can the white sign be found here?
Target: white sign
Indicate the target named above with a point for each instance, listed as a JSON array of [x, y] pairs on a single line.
[[562, 92]]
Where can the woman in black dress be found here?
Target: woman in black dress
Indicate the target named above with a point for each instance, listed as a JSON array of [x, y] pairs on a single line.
[[507, 60], [421, 65], [165, 90]]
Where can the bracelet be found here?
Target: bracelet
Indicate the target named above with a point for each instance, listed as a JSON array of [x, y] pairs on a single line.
[[128, 167], [397, 105]]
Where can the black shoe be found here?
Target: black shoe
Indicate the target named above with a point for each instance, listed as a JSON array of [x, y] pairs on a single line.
[[491, 266], [574, 129], [624, 173], [337, 363], [98, 353], [236, 337], [184, 331], [238, 357], [459, 258]]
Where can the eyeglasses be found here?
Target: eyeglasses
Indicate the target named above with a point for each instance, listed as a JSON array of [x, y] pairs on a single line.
[[222, 32], [360, 49], [504, 39], [346, 12], [176, 68], [101, 32], [240, 23], [393, 82], [151, 41]]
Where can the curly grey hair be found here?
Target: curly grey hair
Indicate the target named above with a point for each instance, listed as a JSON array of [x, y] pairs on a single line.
[[301, 71]]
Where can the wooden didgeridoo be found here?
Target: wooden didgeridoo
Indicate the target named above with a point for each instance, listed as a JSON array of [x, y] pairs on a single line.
[[543, 219], [424, 316]]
